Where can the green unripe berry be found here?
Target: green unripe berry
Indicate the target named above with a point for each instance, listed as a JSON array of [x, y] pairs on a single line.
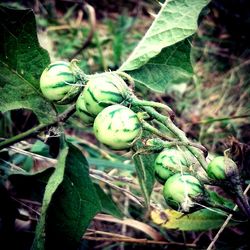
[[117, 126], [58, 83], [162, 174], [180, 191], [222, 168], [82, 112], [168, 162], [102, 90]]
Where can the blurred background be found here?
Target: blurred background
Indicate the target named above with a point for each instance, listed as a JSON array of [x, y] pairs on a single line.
[[214, 109]]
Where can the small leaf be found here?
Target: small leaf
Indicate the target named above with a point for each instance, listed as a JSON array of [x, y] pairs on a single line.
[[108, 205], [171, 66], [176, 21], [144, 165], [220, 200], [201, 220], [22, 61], [70, 202], [40, 148]]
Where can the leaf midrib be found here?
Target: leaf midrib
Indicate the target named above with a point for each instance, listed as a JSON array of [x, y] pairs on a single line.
[[21, 77]]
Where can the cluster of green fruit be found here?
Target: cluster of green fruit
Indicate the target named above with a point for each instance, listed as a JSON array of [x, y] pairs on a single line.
[[118, 118], [98, 104], [183, 190]]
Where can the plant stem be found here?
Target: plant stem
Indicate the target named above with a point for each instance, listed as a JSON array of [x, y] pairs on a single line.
[[171, 142], [136, 101], [162, 127], [241, 200], [222, 208], [181, 143], [178, 133], [128, 77], [154, 130], [36, 130]]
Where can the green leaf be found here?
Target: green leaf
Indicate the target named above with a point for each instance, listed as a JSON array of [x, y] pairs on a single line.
[[30, 186], [51, 187], [201, 220], [176, 21], [144, 165], [40, 148], [22, 61], [108, 205], [70, 202], [217, 199], [171, 66]]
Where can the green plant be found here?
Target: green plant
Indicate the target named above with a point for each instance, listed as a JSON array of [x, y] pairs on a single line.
[[122, 121]]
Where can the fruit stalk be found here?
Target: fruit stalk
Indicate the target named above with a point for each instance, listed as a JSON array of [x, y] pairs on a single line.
[[178, 133], [136, 101]]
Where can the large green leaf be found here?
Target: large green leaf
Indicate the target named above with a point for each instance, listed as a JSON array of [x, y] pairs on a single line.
[[22, 61], [176, 21], [51, 187], [70, 202], [171, 66]]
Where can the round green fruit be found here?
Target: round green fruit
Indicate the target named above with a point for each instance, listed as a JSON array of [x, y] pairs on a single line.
[[58, 83], [101, 91], [117, 126], [181, 189], [220, 168], [82, 112], [168, 162], [162, 174]]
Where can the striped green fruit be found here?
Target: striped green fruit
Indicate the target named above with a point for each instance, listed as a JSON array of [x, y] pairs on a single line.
[[221, 168], [101, 91], [58, 83], [181, 190], [168, 162], [82, 112], [117, 126]]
